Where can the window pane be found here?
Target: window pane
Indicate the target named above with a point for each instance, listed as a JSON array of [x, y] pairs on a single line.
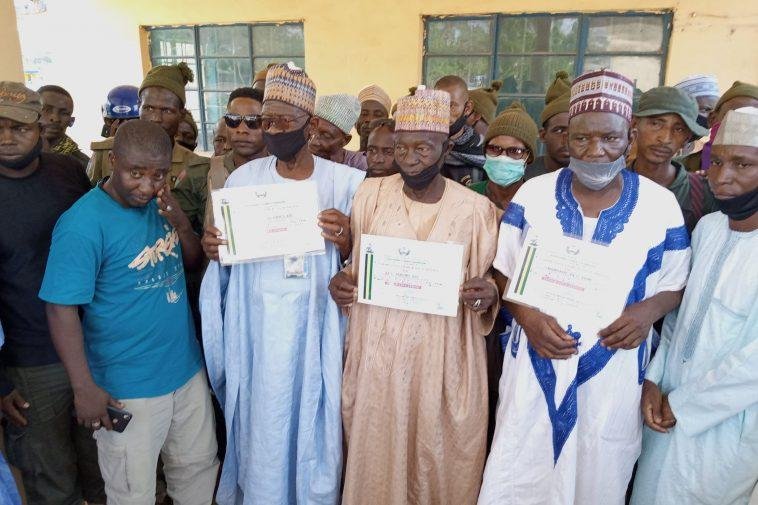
[[223, 73], [277, 40], [224, 41], [215, 105], [261, 63], [531, 74], [644, 70], [529, 34], [459, 36], [193, 103], [473, 69], [625, 33], [173, 61], [172, 42]]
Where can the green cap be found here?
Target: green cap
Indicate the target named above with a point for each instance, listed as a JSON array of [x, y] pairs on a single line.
[[485, 100], [19, 103], [738, 89], [171, 77], [669, 100], [515, 122]]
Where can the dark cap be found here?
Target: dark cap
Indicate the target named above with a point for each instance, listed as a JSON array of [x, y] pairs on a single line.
[[670, 100], [19, 103]]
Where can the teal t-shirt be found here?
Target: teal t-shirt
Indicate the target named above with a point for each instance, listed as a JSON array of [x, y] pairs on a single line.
[[124, 267]]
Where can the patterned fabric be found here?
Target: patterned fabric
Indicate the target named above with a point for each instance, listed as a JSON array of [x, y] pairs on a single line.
[[426, 110], [341, 110], [290, 84], [374, 92], [699, 85], [602, 91], [739, 128], [66, 146]]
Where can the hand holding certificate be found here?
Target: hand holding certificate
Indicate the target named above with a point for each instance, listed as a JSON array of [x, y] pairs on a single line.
[[410, 274], [268, 221], [569, 279]]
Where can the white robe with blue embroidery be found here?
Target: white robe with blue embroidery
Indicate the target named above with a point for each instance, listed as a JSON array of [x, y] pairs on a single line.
[[273, 347], [568, 431], [708, 365]]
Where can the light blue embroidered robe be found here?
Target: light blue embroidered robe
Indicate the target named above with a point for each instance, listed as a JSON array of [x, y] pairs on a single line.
[[273, 347], [708, 365]]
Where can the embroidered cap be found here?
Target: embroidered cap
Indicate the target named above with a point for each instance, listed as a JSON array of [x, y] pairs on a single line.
[[374, 92], [602, 91], [426, 110], [290, 84], [341, 110], [699, 85], [739, 128]]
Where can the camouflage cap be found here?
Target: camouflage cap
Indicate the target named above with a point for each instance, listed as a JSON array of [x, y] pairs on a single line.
[[19, 103]]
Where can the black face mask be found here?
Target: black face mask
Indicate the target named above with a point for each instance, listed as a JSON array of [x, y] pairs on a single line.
[[421, 180], [24, 161], [740, 207], [702, 121], [458, 125], [285, 146]]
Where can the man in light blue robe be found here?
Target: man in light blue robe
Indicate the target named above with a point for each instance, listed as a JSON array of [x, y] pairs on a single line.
[[273, 341], [700, 397]]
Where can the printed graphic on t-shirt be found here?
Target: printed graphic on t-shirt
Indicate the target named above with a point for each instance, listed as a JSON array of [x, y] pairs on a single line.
[[158, 266]]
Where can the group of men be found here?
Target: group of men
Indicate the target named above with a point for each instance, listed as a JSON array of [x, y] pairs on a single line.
[[116, 309]]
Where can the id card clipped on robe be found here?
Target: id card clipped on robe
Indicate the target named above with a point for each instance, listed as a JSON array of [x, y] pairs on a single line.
[[268, 222], [411, 275], [570, 279]]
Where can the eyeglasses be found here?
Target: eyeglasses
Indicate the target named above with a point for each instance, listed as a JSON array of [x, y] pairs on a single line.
[[517, 153], [234, 120], [279, 122]]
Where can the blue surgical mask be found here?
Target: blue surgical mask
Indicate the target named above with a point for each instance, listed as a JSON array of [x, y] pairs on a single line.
[[596, 176], [504, 170]]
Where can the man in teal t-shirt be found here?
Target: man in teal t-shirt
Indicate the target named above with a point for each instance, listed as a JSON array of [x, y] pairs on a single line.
[[119, 254]]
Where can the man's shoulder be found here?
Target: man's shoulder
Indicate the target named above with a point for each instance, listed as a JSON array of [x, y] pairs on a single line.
[[65, 167], [102, 145], [246, 173], [189, 158], [692, 161], [83, 214]]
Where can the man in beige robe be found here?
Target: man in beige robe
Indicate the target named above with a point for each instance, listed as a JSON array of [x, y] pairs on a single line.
[[414, 391]]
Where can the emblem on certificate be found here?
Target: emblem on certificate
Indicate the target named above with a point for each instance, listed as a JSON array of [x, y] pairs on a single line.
[[269, 221], [410, 275]]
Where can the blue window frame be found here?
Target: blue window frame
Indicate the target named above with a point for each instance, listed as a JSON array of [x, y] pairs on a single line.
[[223, 57], [524, 51]]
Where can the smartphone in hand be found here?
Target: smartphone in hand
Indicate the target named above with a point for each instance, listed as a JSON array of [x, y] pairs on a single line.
[[119, 418]]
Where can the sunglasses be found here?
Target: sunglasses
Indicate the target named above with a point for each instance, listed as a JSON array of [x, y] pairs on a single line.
[[234, 120], [517, 153]]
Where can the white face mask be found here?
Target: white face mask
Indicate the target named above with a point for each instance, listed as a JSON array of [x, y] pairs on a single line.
[[596, 176]]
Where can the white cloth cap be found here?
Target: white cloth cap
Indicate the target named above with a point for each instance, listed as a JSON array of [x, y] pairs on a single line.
[[739, 128]]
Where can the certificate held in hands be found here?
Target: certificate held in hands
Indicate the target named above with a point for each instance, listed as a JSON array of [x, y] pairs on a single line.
[[268, 221], [410, 274], [570, 279]]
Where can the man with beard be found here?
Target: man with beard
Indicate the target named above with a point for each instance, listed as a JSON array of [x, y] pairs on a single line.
[[464, 162], [375, 104], [57, 117], [554, 132], [666, 118], [414, 392], [570, 388], [335, 116], [57, 459], [162, 100], [272, 335], [243, 123]]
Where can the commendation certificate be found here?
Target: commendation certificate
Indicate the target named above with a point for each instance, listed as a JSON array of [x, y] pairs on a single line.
[[268, 221], [410, 274], [570, 279]]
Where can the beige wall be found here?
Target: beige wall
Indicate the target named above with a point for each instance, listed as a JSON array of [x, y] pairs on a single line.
[[10, 54], [350, 43]]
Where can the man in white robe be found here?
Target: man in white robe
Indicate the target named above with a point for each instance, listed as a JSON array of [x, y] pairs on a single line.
[[700, 396], [568, 425], [272, 336]]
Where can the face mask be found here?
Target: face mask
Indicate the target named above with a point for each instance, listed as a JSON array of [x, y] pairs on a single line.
[[504, 170], [596, 176], [286, 145], [702, 121], [458, 125], [422, 179], [24, 161], [740, 207]]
